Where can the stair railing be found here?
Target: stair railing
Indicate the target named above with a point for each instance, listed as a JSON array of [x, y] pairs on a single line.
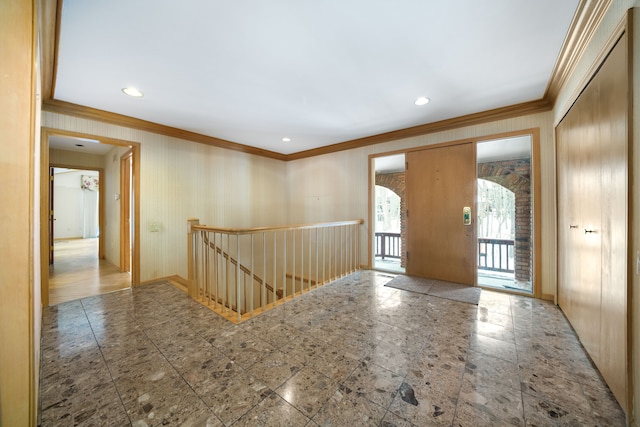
[[242, 272]]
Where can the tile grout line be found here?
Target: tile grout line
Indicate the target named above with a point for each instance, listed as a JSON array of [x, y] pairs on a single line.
[[113, 382]]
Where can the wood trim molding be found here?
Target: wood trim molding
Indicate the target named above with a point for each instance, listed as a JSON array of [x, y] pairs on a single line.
[[608, 46], [67, 108], [443, 125], [588, 16], [585, 22], [135, 147], [49, 13], [70, 109]]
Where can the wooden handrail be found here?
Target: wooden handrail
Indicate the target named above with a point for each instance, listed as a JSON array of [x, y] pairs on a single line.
[[235, 231], [219, 279]]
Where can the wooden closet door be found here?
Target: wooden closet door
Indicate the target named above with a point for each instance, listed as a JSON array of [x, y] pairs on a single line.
[[593, 193], [440, 182], [612, 112]]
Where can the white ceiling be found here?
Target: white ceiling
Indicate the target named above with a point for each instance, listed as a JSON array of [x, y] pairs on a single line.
[[318, 72], [85, 145]]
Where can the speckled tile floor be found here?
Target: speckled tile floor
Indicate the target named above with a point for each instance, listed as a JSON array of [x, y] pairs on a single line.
[[352, 353]]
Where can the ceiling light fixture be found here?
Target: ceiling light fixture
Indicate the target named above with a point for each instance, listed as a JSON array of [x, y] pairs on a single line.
[[286, 139], [423, 100], [132, 91]]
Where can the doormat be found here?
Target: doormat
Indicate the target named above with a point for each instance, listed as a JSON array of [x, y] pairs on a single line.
[[437, 288]]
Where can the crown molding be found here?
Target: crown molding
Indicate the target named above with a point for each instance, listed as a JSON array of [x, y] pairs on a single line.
[[49, 13], [75, 110], [587, 17], [67, 108], [502, 113], [586, 20]]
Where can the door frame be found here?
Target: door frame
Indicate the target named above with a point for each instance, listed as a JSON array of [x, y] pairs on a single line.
[[126, 175], [44, 201], [537, 211]]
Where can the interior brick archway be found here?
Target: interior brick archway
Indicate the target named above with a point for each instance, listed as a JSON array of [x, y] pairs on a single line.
[[515, 175], [396, 183]]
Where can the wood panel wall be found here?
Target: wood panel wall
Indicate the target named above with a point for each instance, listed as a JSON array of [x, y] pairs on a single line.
[[19, 250], [592, 166]]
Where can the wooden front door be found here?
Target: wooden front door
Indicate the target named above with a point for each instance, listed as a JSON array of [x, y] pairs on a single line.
[[440, 183]]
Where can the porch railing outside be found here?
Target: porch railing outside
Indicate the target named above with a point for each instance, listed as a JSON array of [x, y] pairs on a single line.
[[496, 255], [240, 272], [388, 245]]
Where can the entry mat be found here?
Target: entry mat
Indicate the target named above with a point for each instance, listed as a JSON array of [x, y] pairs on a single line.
[[437, 288]]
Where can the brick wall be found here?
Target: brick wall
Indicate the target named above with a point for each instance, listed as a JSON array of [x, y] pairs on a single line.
[[515, 175], [396, 183]]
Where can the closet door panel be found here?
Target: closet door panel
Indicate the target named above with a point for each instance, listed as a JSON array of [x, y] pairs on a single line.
[[612, 115], [588, 233], [593, 202], [569, 220]]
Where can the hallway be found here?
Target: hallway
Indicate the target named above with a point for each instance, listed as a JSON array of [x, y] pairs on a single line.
[[78, 273], [350, 353]]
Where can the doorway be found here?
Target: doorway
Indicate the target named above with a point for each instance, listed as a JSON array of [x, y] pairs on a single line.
[[76, 208], [434, 225], [389, 240], [101, 274], [505, 213]]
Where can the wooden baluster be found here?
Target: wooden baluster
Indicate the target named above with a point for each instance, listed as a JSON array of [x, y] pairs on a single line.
[[284, 267], [275, 258], [263, 292], [238, 293], [251, 277]]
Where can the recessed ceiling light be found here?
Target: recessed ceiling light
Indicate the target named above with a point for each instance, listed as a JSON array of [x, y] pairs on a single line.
[[286, 139], [423, 100], [132, 91]]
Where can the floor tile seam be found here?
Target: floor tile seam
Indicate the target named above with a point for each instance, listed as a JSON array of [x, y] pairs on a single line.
[[593, 409], [489, 383], [363, 396], [571, 409], [497, 357], [104, 360], [337, 384], [144, 331], [562, 403], [482, 407], [263, 400], [568, 376], [494, 336]]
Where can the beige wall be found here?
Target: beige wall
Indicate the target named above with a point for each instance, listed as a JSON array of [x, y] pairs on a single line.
[[111, 187], [19, 210], [566, 97], [233, 189], [335, 186], [228, 188], [179, 180]]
